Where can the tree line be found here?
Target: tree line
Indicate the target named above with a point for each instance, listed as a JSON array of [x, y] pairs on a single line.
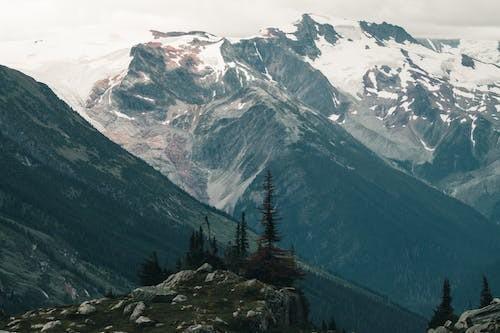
[[268, 263], [444, 311]]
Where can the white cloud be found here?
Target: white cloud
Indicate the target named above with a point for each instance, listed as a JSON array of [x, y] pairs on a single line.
[[126, 19]]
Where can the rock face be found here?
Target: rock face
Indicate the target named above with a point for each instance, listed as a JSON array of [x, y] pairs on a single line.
[[227, 303], [484, 320]]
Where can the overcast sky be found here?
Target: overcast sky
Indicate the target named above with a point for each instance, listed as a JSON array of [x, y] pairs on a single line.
[[37, 19]]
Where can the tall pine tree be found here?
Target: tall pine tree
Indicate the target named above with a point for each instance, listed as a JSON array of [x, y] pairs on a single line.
[[271, 264], [444, 311], [237, 239], [243, 237], [486, 297], [269, 215]]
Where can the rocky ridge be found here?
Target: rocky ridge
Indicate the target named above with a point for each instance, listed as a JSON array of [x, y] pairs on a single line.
[[202, 300]]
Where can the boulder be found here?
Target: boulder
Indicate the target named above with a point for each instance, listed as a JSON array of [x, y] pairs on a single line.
[[252, 313], [210, 277], [129, 308], [138, 311], [200, 329], [205, 268], [175, 279], [86, 308], [179, 299], [144, 321], [50, 325], [154, 294]]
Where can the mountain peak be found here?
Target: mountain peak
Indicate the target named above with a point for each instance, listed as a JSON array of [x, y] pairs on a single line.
[[385, 31]]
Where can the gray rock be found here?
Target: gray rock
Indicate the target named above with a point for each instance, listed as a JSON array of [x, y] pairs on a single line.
[[252, 313], [155, 294], [144, 321], [199, 329], [50, 325], [205, 268], [175, 279], [129, 307], [138, 311], [210, 277], [180, 299], [86, 308]]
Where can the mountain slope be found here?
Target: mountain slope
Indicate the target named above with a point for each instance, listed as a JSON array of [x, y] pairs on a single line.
[[77, 213], [432, 107], [213, 113], [64, 184]]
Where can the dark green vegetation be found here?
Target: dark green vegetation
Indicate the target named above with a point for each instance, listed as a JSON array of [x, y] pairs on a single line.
[[486, 296], [444, 311], [78, 214], [151, 273], [269, 264]]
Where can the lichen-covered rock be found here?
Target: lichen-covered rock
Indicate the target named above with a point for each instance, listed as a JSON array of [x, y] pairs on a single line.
[[138, 311], [144, 321], [129, 308], [86, 308], [205, 268], [177, 278], [199, 329], [210, 277], [180, 299], [50, 325], [155, 294]]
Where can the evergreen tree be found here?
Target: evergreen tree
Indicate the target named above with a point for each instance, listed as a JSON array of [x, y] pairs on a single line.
[[243, 237], [271, 264], [233, 254], [198, 253], [150, 273], [269, 215], [486, 297], [444, 311], [214, 247], [237, 240], [178, 264], [332, 325], [208, 227]]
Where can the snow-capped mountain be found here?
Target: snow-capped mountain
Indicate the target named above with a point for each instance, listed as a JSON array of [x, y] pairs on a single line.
[[430, 105], [306, 100]]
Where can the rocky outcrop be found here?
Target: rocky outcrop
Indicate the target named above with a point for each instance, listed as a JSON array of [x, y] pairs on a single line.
[[186, 302], [484, 320]]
